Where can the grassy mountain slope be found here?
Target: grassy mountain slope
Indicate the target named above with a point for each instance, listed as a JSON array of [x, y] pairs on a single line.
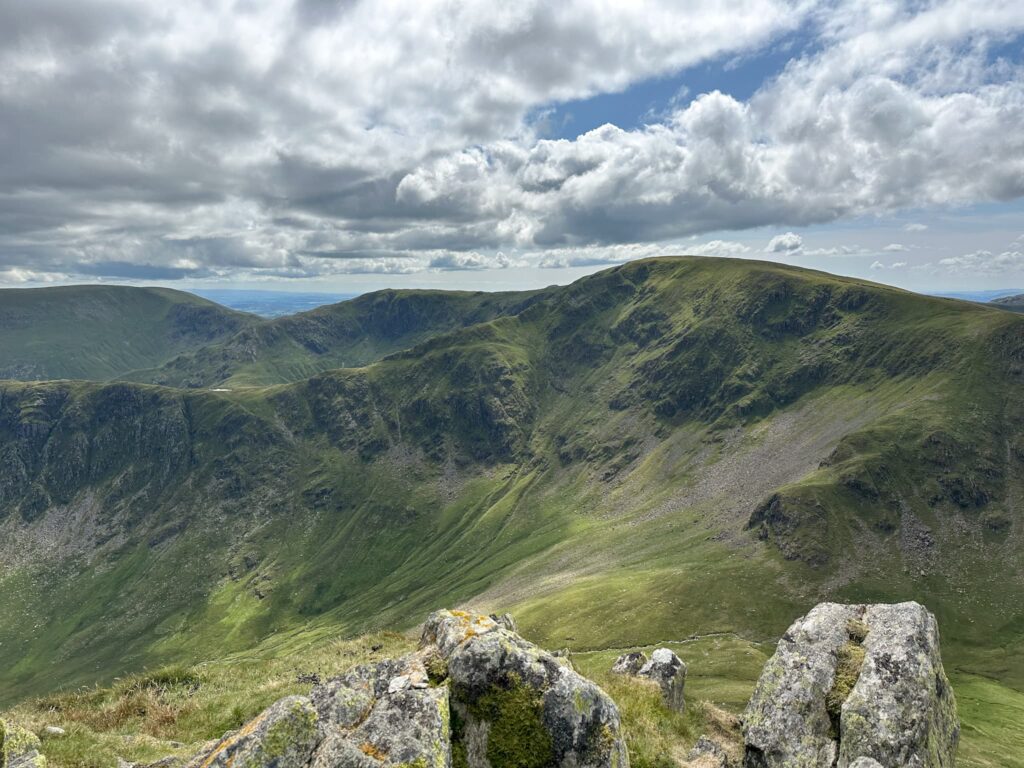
[[349, 334], [672, 447], [100, 332]]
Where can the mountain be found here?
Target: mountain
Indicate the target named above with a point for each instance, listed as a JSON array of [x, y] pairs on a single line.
[[102, 332], [674, 447], [1014, 303], [348, 334]]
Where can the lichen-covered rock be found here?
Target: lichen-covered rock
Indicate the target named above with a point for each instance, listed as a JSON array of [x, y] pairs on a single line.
[[849, 682], [410, 726], [283, 736], [786, 722], [447, 630], [865, 762], [19, 748], [629, 663], [384, 714], [669, 672], [516, 704], [901, 712], [505, 621], [707, 753]]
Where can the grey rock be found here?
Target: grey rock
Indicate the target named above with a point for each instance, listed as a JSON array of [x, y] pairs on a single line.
[[708, 753], [54, 730], [902, 711], [505, 621], [405, 726], [282, 736], [629, 663], [786, 722], [865, 762], [447, 630], [497, 678], [898, 708], [669, 672], [383, 714]]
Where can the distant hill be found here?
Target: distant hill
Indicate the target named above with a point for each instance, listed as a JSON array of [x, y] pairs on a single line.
[[101, 332], [1015, 303], [982, 296], [163, 336], [348, 334]]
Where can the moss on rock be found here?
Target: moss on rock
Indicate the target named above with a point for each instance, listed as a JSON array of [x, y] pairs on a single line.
[[517, 736]]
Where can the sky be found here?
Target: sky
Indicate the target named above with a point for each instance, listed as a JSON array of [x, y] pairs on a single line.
[[346, 145]]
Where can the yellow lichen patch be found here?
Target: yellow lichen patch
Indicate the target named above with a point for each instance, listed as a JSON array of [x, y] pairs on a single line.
[[230, 741], [370, 750]]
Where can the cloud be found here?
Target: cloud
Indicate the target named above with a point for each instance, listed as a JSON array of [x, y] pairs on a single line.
[[915, 227], [456, 261], [877, 265], [307, 137], [895, 248], [985, 263], [718, 248], [786, 243]]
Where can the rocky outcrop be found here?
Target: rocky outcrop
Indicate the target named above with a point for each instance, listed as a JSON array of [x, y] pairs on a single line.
[[852, 684], [664, 668], [474, 694], [384, 714], [516, 704], [629, 663], [19, 748], [669, 672]]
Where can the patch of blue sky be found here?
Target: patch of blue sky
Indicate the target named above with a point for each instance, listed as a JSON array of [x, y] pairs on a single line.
[[650, 101]]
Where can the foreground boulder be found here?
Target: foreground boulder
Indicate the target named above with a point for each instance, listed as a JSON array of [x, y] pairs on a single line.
[[283, 736], [474, 694], [516, 704], [854, 685], [19, 748]]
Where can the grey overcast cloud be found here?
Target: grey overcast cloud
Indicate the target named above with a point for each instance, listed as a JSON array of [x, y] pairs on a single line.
[[354, 145]]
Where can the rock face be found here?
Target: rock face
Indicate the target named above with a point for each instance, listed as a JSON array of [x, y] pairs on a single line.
[[474, 694], [19, 748], [854, 685], [669, 672]]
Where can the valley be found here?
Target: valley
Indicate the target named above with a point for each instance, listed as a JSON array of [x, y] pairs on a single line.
[[674, 448]]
